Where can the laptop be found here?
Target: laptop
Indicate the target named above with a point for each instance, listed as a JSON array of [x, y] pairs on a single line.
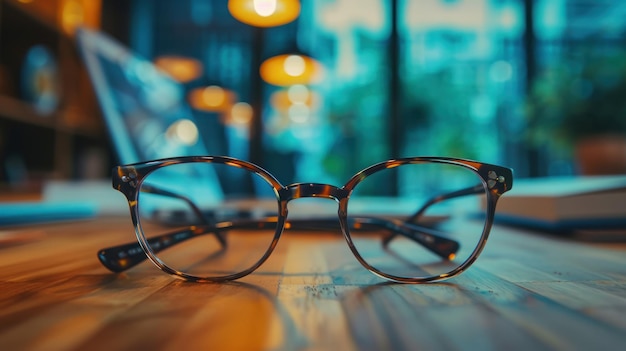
[[142, 108]]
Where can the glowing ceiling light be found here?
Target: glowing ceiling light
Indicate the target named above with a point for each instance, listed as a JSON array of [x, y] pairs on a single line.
[[294, 65], [287, 70], [298, 93], [212, 98], [265, 8], [241, 114], [182, 69], [183, 131], [283, 99], [72, 15], [264, 13]]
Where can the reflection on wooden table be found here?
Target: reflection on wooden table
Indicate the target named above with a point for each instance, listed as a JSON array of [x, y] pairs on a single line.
[[526, 291]]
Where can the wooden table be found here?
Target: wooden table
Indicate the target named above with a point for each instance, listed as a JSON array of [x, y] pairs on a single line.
[[526, 292]]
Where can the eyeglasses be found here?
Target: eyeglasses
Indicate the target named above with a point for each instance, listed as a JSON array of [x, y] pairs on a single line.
[[190, 227]]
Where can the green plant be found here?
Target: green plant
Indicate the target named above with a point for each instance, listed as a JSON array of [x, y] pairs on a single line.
[[577, 98]]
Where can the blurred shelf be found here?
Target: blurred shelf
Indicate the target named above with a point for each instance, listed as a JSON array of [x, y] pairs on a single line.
[[17, 110], [59, 15], [37, 145], [43, 11], [21, 193]]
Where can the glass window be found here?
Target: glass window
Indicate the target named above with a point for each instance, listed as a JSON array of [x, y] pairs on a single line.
[[481, 79]]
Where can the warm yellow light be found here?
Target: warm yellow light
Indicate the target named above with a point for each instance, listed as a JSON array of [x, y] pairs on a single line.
[[183, 131], [286, 70], [298, 94], [264, 8], [240, 114], [72, 14], [294, 65], [181, 69], [264, 13], [212, 98]]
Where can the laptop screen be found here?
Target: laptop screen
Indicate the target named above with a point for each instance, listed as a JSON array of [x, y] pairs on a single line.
[[145, 111]]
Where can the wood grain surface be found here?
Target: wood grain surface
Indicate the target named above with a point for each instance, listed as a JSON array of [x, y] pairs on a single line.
[[526, 292]]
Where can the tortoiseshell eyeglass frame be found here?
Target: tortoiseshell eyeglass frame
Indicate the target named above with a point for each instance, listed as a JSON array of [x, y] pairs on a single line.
[[128, 180]]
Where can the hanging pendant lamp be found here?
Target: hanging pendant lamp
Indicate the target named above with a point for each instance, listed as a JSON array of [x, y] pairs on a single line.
[[290, 69], [264, 13], [212, 98], [182, 69]]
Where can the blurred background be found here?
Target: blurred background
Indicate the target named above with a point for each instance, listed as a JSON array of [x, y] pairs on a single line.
[[328, 87]]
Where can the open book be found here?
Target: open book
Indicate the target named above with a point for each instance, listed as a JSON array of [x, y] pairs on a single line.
[[566, 204]]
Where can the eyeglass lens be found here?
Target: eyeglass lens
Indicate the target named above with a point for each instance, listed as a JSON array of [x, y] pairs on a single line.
[[221, 231], [438, 199]]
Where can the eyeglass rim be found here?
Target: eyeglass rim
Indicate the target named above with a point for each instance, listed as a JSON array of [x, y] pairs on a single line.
[[480, 168], [124, 176]]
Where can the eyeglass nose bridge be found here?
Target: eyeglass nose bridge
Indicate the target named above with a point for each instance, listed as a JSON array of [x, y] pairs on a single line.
[[302, 190]]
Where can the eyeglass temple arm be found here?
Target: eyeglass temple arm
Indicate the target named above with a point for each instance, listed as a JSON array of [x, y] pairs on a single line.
[[427, 237], [120, 258], [151, 189], [476, 189], [123, 257], [431, 239]]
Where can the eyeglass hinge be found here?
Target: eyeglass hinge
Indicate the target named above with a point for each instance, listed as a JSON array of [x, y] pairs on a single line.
[[494, 178], [130, 178]]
